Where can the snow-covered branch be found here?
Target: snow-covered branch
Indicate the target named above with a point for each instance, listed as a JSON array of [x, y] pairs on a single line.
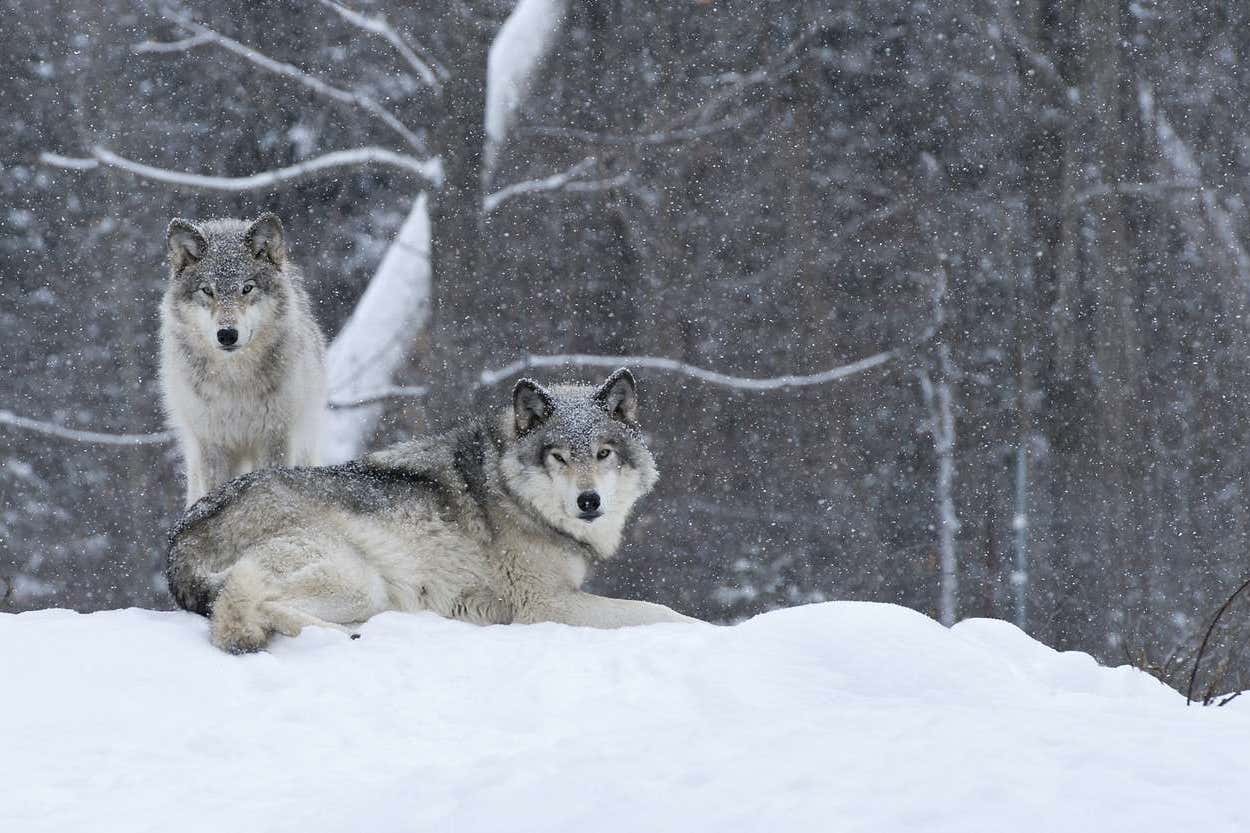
[[429, 169], [387, 394], [566, 180], [1157, 189], [52, 429], [378, 25], [294, 73], [96, 437], [162, 47], [490, 377], [375, 341]]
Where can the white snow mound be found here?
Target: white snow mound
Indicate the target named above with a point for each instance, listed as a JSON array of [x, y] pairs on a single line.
[[833, 717]]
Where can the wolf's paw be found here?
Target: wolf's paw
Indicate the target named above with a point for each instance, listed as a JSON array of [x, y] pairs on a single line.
[[238, 637]]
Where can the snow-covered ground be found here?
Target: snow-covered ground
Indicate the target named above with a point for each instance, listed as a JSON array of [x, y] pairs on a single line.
[[833, 717]]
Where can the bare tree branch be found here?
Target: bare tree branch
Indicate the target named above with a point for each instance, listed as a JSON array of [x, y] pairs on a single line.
[[431, 73], [294, 73], [1004, 29], [490, 377], [694, 124], [566, 180], [1193, 676], [780, 65], [665, 136], [429, 169]]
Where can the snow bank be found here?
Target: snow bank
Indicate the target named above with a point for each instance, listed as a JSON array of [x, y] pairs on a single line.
[[833, 717]]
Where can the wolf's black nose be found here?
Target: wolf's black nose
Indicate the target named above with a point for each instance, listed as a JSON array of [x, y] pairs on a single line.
[[588, 501], [227, 336]]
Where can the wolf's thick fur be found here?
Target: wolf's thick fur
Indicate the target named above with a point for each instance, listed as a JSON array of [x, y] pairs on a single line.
[[495, 522], [242, 358]]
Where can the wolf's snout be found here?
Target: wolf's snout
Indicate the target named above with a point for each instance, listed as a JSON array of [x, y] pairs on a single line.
[[227, 336], [588, 502]]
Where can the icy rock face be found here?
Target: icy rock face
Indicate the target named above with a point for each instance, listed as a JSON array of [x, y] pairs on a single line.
[[848, 716]]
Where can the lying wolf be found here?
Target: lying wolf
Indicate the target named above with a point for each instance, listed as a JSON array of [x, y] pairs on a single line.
[[242, 359], [494, 522]]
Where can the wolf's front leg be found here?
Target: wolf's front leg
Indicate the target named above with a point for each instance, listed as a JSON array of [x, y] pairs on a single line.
[[589, 610], [207, 468], [273, 451]]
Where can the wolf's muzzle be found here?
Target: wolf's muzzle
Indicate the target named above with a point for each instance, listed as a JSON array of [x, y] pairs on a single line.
[[227, 337]]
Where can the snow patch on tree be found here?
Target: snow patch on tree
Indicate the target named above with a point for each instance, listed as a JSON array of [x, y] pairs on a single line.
[[375, 341], [515, 56]]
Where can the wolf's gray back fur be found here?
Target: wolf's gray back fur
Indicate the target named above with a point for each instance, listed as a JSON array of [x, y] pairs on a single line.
[[490, 523], [242, 357]]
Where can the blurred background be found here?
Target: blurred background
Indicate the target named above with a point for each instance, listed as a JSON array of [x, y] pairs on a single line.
[[1030, 216]]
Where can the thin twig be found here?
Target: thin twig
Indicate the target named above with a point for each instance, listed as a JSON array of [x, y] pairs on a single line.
[[665, 136], [300, 76], [1189, 692]]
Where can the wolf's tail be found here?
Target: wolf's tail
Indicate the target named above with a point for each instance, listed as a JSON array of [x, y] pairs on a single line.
[[194, 588], [195, 564]]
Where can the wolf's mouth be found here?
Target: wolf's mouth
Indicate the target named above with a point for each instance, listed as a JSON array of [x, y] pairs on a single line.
[[589, 516], [229, 349]]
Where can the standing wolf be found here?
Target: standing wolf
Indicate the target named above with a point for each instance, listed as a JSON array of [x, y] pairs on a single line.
[[494, 522], [242, 359]]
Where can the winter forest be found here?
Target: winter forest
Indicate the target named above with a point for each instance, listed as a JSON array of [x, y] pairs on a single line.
[[935, 303]]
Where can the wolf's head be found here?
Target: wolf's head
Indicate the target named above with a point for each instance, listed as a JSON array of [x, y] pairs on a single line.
[[577, 456], [229, 277]]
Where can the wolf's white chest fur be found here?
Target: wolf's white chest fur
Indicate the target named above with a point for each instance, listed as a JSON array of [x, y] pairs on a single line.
[[234, 413]]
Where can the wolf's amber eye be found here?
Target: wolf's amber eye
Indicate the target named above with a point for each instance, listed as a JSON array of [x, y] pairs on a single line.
[[248, 287], [559, 458], [207, 290], [604, 453]]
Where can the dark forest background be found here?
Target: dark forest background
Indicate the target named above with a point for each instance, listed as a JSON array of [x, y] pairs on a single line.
[[1037, 208]]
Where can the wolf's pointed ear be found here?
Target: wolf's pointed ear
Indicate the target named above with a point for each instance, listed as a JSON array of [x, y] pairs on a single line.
[[619, 397], [531, 404], [186, 242], [265, 240]]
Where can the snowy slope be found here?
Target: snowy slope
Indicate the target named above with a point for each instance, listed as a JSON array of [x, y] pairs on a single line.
[[833, 717]]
